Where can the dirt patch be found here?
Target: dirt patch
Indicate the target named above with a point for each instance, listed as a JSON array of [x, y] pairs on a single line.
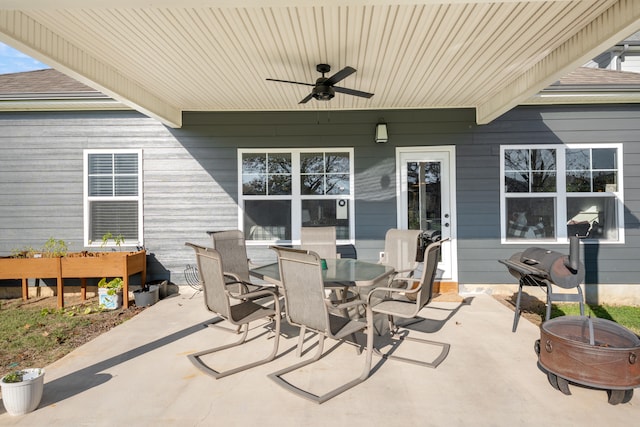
[[98, 322], [531, 308]]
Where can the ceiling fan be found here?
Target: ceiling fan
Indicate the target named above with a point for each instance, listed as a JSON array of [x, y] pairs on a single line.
[[324, 89]]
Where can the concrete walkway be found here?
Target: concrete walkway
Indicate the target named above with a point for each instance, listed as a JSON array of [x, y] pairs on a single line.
[[138, 374]]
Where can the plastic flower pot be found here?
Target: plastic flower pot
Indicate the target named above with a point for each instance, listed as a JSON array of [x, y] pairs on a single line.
[[23, 396], [146, 296], [109, 299]]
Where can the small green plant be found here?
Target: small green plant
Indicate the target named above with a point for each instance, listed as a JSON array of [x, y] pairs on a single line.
[[105, 238], [25, 252], [113, 286], [118, 240], [13, 377], [53, 248]]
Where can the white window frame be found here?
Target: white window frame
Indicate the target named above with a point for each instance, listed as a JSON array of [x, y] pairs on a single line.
[[295, 197], [86, 199], [561, 195]]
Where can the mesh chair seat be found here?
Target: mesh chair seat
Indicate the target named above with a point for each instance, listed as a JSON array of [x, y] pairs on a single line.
[[397, 308], [248, 311], [340, 327]]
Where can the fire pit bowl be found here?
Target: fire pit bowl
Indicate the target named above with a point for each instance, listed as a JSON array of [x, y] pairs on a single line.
[[592, 352]]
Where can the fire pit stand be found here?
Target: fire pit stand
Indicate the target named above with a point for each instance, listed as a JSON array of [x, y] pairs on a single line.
[[592, 352]]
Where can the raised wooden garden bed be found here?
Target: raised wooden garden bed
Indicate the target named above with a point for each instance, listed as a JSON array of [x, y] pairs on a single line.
[[77, 265]]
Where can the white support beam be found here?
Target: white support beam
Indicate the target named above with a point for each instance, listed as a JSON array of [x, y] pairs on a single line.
[[37, 41], [618, 22]]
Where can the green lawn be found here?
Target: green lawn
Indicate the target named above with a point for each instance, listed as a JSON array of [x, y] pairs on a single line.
[[627, 316]]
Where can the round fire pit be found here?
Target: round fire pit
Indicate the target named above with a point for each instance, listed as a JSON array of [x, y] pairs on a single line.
[[593, 352]]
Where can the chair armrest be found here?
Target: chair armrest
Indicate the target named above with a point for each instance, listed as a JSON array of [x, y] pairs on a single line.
[[262, 292], [235, 278], [400, 281], [408, 270], [244, 287], [390, 290]]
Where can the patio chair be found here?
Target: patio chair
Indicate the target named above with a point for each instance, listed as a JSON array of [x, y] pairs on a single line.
[[400, 250], [233, 250], [394, 301], [218, 298], [234, 283], [321, 240], [307, 306]]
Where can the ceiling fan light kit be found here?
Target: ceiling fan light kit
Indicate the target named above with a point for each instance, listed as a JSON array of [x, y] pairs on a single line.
[[324, 88], [323, 92]]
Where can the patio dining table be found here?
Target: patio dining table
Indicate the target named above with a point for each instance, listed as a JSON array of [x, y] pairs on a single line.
[[340, 273]]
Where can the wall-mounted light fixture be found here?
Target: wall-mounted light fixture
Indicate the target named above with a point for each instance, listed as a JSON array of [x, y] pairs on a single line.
[[381, 133]]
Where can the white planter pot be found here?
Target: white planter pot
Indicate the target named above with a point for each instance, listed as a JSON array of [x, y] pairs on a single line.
[[23, 397], [110, 302]]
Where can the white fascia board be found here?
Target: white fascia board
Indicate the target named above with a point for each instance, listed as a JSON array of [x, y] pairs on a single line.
[[17, 29], [620, 20]]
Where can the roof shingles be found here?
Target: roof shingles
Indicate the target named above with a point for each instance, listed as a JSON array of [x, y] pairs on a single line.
[[41, 81]]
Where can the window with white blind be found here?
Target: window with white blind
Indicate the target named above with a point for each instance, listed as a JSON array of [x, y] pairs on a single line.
[[113, 197]]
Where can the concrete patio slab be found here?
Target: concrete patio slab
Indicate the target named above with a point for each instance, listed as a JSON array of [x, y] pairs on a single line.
[[137, 374]]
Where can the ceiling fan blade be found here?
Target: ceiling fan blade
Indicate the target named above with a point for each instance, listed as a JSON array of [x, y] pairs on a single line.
[[353, 92], [306, 99], [289, 81], [340, 75]]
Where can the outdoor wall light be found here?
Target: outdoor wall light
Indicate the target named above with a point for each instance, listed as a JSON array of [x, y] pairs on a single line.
[[381, 133]]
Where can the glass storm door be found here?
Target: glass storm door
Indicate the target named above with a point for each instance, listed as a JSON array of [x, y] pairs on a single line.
[[426, 198]]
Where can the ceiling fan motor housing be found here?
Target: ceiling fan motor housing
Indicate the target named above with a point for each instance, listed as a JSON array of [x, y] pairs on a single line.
[[323, 92]]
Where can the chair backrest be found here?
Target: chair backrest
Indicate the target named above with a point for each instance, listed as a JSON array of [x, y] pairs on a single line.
[[321, 240], [213, 283], [429, 271], [400, 249], [303, 288], [233, 250]]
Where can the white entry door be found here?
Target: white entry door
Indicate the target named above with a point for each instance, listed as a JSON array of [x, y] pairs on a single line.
[[426, 198]]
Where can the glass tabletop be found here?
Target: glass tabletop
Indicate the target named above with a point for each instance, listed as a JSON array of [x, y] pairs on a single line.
[[340, 272]]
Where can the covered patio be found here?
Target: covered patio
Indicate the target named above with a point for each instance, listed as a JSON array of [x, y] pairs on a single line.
[[163, 59], [138, 374]]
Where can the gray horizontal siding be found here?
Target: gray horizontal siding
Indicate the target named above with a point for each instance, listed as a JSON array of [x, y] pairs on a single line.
[[190, 175], [478, 179]]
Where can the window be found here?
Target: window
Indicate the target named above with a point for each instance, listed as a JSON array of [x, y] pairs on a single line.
[[113, 197], [553, 192], [283, 190]]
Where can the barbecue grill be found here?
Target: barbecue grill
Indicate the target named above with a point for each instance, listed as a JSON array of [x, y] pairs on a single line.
[[544, 268]]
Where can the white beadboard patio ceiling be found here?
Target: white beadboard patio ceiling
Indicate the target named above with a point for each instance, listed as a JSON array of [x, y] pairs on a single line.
[[164, 57]]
